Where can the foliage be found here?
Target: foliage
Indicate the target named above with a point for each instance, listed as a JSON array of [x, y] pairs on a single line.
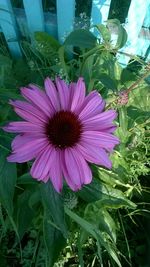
[[40, 227]]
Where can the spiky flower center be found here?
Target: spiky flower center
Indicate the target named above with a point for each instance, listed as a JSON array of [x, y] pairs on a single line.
[[64, 129]]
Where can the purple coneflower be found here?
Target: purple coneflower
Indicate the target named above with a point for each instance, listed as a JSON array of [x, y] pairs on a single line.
[[62, 130]]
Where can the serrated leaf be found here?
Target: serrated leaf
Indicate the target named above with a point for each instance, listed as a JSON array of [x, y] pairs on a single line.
[[81, 38]]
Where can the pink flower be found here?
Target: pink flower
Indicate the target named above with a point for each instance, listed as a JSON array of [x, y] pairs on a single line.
[[62, 130]]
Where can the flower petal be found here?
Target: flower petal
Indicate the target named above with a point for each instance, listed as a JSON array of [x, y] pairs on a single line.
[[77, 168], [52, 93], [63, 92], [39, 99], [77, 94], [22, 139], [30, 111], [101, 139], [101, 122], [94, 154], [41, 166], [92, 105], [55, 171], [68, 179], [28, 151], [23, 126]]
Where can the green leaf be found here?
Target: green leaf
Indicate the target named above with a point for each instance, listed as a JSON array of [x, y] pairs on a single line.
[[101, 218], [24, 214], [140, 97], [5, 140], [81, 38], [109, 177], [121, 32], [53, 239], [26, 179], [104, 31], [91, 192], [46, 44], [8, 178], [6, 94], [94, 231], [127, 76], [107, 82], [53, 202], [137, 114], [87, 69], [61, 53], [123, 123], [106, 195]]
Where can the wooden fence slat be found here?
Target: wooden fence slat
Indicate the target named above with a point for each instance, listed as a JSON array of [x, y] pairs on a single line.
[[9, 28], [65, 18], [99, 14], [147, 17], [51, 24], [34, 15], [135, 45]]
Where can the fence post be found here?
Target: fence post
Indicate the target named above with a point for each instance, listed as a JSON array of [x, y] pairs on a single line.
[[9, 27], [65, 18], [34, 15]]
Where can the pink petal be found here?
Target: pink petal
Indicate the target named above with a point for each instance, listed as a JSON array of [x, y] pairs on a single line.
[[72, 87], [52, 94], [109, 129], [63, 92], [94, 154], [23, 126], [39, 99], [92, 105], [36, 114], [22, 139], [27, 116], [78, 95], [104, 140], [77, 168], [55, 171], [41, 166], [28, 151], [68, 179], [100, 121]]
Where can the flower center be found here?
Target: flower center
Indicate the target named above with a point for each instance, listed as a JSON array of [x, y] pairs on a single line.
[[64, 129]]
